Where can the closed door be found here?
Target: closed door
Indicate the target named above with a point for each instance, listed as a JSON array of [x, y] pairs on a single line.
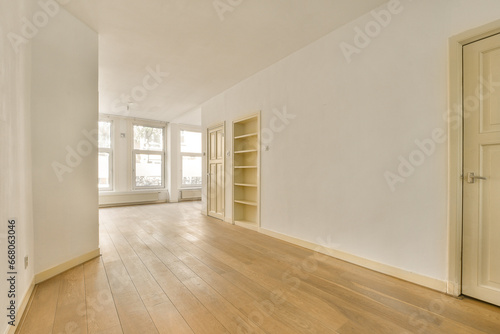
[[481, 189], [215, 173]]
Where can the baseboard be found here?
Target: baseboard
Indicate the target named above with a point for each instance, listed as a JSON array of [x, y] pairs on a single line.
[[429, 282], [21, 308], [54, 271]]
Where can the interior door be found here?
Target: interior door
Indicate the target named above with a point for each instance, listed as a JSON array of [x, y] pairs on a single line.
[[215, 180], [481, 190]]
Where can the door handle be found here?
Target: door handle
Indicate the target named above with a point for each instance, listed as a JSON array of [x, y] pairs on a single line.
[[471, 178]]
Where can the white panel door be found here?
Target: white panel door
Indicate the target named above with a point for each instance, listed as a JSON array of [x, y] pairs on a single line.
[[215, 181], [481, 196]]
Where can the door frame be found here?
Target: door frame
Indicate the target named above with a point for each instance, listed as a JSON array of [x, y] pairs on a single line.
[[455, 150], [207, 166]]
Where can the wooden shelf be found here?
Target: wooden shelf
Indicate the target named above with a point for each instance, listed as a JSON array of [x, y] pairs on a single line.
[[247, 224], [246, 151], [244, 222], [246, 202], [245, 185], [246, 161], [246, 136]]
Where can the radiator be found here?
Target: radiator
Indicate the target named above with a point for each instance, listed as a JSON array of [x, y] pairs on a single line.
[[128, 198], [189, 194]]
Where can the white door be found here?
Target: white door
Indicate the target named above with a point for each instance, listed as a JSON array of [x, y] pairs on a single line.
[[481, 190], [215, 180]]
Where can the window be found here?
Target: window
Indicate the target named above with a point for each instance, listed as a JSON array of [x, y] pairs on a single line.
[[148, 157], [105, 156], [191, 161]]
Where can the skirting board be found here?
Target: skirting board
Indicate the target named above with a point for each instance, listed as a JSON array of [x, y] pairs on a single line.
[[54, 271], [422, 280], [21, 308]]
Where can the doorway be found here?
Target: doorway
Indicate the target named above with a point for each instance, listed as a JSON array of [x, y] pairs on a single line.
[[215, 171], [481, 170]]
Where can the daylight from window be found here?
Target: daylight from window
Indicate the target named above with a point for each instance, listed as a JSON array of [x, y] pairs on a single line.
[[105, 156], [149, 156], [191, 159]]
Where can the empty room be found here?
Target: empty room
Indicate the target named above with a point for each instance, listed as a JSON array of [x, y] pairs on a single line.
[[266, 166]]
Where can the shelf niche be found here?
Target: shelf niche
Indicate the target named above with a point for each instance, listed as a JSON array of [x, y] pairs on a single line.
[[246, 171]]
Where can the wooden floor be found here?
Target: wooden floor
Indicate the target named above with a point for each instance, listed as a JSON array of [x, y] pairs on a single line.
[[168, 269]]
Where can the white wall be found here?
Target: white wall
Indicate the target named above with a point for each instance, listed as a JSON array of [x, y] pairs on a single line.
[[192, 117], [323, 177], [64, 107], [15, 150], [122, 175], [173, 150]]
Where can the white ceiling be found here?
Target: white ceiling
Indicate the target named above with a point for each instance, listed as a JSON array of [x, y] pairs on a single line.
[[203, 54]]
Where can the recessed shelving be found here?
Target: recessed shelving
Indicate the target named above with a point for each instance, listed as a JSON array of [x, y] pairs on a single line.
[[247, 224], [246, 202], [246, 135], [243, 222], [245, 185], [246, 151], [246, 195]]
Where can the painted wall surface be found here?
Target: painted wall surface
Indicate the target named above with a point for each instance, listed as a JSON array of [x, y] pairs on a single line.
[[192, 117], [173, 151], [15, 151], [349, 121], [64, 126], [122, 173]]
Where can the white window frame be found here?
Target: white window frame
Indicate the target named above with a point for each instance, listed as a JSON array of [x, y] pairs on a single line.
[[183, 154], [159, 125], [110, 152]]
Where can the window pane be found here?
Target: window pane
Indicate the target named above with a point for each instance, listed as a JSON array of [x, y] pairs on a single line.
[[105, 134], [104, 177], [148, 138], [190, 142], [148, 169], [191, 171]]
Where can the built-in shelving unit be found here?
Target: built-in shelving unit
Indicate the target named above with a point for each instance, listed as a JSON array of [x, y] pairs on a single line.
[[246, 171]]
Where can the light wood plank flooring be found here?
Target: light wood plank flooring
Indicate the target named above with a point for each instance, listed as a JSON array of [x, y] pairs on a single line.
[[168, 269]]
